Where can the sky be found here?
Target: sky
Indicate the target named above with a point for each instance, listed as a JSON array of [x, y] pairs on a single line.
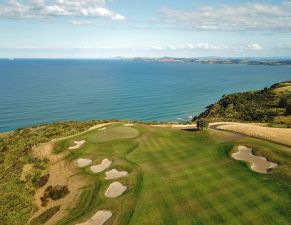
[[144, 28]]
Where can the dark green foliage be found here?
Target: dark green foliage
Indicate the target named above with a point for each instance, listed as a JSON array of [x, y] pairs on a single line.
[[288, 109], [42, 181], [257, 106], [283, 102], [58, 191], [45, 216], [55, 193], [202, 124]]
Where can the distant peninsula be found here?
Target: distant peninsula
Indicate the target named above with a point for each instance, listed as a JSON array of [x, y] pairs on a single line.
[[214, 60]]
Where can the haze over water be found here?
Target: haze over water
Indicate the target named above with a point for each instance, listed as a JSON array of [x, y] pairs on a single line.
[[40, 91]]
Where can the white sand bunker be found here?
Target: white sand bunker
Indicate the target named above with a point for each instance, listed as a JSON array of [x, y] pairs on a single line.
[[115, 189], [258, 164], [113, 174], [102, 166], [99, 218], [83, 162], [78, 144], [128, 124]]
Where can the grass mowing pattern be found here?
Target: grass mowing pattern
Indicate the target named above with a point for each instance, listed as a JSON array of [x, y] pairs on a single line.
[[190, 179], [180, 177]]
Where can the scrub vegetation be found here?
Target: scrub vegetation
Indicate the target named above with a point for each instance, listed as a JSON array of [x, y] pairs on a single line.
[[268, 105]]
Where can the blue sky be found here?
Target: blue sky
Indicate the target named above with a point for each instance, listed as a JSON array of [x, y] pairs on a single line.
[[153, 28]]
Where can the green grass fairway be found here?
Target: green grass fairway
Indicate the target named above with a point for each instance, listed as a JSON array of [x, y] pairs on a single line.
[[181, 177]]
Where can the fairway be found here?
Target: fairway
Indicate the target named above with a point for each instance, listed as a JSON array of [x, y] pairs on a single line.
[[178, 177]]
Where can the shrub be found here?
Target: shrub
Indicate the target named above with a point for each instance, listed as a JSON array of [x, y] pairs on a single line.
[[283, 102], [42, 181], [55, 193], [202, 124], [288, 109], [58, 192]]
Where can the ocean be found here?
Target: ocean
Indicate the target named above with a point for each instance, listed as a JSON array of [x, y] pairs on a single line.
[[34, 91]]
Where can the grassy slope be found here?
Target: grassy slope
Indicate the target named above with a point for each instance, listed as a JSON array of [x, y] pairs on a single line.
[[180, 177]]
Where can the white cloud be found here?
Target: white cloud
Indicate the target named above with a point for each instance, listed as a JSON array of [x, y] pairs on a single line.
[[254, 46], [232, 17], [192, 46], [211, 47], [82, 22], [35, 9]]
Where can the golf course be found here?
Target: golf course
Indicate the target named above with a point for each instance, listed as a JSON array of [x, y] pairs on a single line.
[[141, 174]]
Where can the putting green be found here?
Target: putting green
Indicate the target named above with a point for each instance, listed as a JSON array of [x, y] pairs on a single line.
[[181, 177], [112, 133]]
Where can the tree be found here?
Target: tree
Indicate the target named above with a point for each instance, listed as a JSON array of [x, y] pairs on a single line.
[[288, 109], [283, 102], [202, 124]]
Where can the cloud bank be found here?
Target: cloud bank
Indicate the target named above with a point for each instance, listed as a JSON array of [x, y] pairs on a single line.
[[231, 17], [212, 47], [42, 9]]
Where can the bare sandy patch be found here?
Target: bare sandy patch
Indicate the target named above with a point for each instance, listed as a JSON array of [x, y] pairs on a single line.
[[102, 166], [279, 135], [184, 126], [83, 162], [128, 124], [78, 144], [98, 126], [99, 218], [25, 170], [113, 174], [258, 163], [115, 189], [62, 173]]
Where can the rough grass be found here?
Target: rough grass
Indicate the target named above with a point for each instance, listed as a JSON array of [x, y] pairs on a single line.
[[182, 177], [279, 135]]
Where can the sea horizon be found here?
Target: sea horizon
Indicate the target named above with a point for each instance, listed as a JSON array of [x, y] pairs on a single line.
[[49, 90]]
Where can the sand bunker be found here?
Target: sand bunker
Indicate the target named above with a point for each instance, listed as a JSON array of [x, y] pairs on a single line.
[[258, 164], [113, 174], [115, 189], [128, 124], [83, 162], [98, 219], [78, 144], [102, 166], [104, 128]]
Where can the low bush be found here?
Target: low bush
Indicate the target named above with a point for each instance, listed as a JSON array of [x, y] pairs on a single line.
[[202, 124], [45, 216], [42, 181], [54, 193]]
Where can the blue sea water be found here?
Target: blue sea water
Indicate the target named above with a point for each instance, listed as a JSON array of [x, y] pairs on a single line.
[[40, 91]]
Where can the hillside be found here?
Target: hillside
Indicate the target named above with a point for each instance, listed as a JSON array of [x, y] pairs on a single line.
[[268, 105]]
